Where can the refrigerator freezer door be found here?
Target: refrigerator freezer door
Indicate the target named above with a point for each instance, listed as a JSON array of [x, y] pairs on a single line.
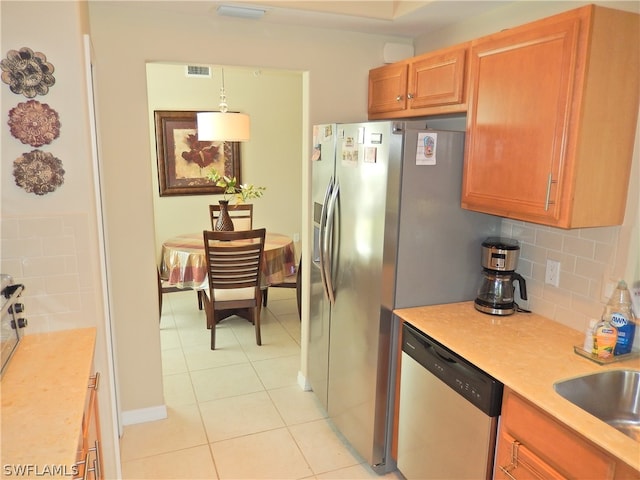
[[323, 169], [362, 166]]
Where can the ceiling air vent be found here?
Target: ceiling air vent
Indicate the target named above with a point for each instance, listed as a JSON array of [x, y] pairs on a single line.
[[198, 71]]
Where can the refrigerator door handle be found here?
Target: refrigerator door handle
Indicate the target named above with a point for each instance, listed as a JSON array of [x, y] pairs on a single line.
[[323, 227], [328, 240]]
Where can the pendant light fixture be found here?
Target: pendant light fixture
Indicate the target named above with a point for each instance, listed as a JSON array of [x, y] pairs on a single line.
[[223, 125]]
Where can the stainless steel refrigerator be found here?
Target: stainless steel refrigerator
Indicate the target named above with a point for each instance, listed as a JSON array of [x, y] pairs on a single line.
[[388, 232]]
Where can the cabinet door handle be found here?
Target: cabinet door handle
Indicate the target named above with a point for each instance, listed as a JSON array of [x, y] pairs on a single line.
[[515, 445], [516, 462], [507, 472], [548, 201], [410, 96], [94, 380], [96, 461], [399, 98], [84, 462]]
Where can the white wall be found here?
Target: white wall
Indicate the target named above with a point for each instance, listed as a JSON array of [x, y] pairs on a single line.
[[592, 259]]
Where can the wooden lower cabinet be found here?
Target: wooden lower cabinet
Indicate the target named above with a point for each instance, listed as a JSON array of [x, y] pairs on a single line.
[[534, 445], [89, 458]]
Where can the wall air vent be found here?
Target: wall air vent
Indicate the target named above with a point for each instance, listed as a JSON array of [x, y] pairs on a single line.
[[198, 71]]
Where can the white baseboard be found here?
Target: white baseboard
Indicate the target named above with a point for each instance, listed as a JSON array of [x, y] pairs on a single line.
[[302, 382], [142, 415]]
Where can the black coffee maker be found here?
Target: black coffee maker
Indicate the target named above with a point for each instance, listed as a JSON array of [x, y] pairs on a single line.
[[497, 290]]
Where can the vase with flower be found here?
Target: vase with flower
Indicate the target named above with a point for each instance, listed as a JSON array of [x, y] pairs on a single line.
[[231, 191]]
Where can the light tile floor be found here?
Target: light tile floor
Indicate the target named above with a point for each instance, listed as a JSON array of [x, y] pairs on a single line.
[[236, 412]]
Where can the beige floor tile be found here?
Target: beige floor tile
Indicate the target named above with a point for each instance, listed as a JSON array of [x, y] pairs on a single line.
[[242, 415], [321, 447], [178, 390], [169, 338], [296, 406], [201, 357], [173, 361], [182, 429], [357, 472], [291, 323], [276, 342], [199, 335], [190, 316], [166, 319], [193, 335], [268, 455], [282, 301], [247, 394], [227, 381], [278, 372], [190, 463]]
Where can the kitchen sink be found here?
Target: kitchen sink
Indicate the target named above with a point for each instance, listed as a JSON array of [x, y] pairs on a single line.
[[612, 396]]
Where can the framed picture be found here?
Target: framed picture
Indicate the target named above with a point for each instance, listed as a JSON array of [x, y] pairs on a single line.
[[184, 162]]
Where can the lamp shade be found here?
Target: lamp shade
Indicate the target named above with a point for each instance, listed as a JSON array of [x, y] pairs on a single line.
[[223, 126]]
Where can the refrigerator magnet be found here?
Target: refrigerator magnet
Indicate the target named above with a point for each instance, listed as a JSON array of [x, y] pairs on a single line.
[[328, 132], [426, 151], [376, 138], [370, 154], [349, 154], [317, 153]]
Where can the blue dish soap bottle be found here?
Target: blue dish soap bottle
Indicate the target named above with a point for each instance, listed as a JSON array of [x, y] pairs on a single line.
[[619, 314]]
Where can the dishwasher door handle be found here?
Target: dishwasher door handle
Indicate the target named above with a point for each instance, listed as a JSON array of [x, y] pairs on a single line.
[[442, 354]]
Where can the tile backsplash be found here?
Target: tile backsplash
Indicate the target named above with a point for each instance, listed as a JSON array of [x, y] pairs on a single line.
[[586, 257], [49, 255]]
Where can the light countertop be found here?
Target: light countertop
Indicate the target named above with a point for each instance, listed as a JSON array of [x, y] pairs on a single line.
[[43, 394], [528, 353]]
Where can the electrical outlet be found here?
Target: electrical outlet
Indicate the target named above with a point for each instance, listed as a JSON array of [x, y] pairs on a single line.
[[296, 237], [552, 274]]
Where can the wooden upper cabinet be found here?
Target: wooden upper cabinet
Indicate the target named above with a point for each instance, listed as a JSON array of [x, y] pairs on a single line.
[[437, 79], [552, 117], [388, 89], [428, 84]]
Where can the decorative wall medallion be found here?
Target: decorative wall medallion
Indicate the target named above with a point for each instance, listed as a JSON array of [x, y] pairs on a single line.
[[34, 123], [38, 172], [27, 72]]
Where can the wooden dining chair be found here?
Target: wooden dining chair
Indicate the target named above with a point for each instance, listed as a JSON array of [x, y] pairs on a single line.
[[165, 287], [290, 281], [241, 215], [234, 267]]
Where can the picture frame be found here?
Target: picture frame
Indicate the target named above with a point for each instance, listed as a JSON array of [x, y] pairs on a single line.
[[183, 161]]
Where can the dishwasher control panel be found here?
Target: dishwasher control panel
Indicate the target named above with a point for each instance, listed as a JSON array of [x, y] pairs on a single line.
[[475, 385]]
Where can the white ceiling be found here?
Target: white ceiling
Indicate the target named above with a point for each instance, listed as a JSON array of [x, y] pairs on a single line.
[[407, 18]]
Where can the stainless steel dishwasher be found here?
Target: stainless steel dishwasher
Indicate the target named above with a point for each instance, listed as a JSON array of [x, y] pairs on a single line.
[[448, 414]]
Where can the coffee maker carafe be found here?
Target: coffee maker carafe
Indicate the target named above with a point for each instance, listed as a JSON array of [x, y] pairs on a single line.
[[497, 289]]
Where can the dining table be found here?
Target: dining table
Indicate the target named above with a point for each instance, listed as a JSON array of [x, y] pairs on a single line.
[[184, 263]]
